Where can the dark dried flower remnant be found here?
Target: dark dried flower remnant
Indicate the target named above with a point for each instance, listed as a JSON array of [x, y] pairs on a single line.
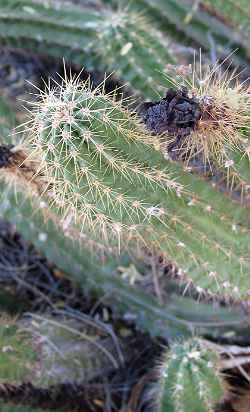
[[177, 114], [5, 155]]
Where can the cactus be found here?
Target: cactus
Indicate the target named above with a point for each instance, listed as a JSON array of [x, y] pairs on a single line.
[[234, 14], [91, 38], [190, 379], [44, 358], [173, 17], [177, 317], [83, 143], [17, 355], [217, 134]]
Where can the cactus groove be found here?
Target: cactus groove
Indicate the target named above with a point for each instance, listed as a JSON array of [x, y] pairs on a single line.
[[106, 176], [189, 379]]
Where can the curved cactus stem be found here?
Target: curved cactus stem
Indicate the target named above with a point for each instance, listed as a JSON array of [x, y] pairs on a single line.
[[178, 317], [106, 177]]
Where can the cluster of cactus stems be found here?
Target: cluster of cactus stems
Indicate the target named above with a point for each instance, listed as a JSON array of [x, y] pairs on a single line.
[[100, 175], [79, 33], [45, 361], [221, 36], [101, 172], [90, 174], [179, 317]]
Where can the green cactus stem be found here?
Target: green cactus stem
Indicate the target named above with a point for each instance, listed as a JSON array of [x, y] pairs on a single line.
[[233, 14], [47, 362], [199, 24], [105, 177], [190, 379], [121, 41], [99, 274]]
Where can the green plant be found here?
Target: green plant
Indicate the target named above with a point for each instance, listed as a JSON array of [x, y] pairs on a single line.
[[102, 173], [93, 176], [234, 14], [98, 273], [90, 37], [44, 359], [190, 379], [199, 24]]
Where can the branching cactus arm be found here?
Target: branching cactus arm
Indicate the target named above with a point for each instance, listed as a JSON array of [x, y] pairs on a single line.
[[103, 172]]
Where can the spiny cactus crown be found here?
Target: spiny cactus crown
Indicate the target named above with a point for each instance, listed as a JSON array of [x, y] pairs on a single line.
[[84, 141], [224, 119], [190, 379]]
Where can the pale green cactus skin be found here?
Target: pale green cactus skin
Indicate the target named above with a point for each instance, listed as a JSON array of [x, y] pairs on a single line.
[[189, 379], [137, 52], [179, 317], [109, 180], [53, 350], [235, 14], [197, 24], [119, 41]]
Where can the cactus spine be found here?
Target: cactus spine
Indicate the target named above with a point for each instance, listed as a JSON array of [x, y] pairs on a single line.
[[84, 141], [77, 34], [189, 379], [73, 258], [220, 137]]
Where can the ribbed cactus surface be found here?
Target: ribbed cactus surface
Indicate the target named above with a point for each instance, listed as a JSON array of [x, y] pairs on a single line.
[[234, 14], [100, 274], [189, 379], [112, 40], [103, 173], [214, 34]]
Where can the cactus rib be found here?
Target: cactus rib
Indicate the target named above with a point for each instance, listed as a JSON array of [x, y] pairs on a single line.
[[75, 131]]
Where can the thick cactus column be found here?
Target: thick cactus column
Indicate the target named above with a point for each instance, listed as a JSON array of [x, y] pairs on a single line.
[[103, 173], [98, 272], [197, 22]]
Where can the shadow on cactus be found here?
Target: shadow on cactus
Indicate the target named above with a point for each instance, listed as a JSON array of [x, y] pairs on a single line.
[[100, 172]]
